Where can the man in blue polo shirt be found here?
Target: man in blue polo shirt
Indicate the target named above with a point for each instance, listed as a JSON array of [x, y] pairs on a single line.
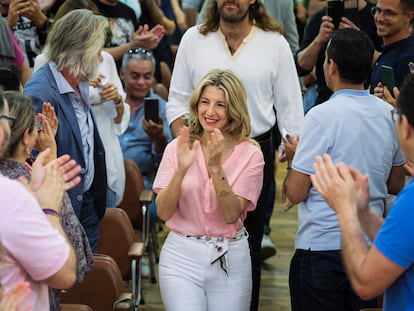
[[389, 264], [352, 127], [393, 20]]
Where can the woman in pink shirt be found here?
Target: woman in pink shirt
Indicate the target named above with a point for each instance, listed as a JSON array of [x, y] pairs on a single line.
[[208, 179]]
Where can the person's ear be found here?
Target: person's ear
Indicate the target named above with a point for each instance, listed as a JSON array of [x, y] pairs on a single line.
[[121, 74], [407, 130], [332, 67], [25, 137], [410, 15]]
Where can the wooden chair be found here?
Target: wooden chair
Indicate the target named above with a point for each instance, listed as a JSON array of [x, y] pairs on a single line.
[[379, 304], [102, 289], [118, 239], [75, 307], [136, 203]]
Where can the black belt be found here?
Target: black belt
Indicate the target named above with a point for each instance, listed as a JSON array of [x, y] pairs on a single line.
[[263, 137]]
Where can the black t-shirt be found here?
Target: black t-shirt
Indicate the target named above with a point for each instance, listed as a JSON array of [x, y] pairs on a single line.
[[122, 23], [397, 55], [312, 30]]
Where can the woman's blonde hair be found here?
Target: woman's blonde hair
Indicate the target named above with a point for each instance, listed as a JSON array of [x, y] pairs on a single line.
[[22, 108], [236, 104]]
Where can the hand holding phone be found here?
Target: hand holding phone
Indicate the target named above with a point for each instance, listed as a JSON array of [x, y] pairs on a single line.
[[151, 109], [387, 78], [335, 9]]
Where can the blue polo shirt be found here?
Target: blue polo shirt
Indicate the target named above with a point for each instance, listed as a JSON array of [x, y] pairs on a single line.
[[353, 127], [396, 55], [138, 146], [395, 241]]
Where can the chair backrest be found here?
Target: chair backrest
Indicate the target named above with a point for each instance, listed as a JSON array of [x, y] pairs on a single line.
[[102, 286], [116, 236], [75, 307], [134, 185]]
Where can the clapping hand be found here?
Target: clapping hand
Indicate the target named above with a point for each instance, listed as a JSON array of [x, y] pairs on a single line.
[[66, 167], [341, 187], [14, 298], [214, 149], [49, 114], [45, 137], [49, 181], [186, 152]]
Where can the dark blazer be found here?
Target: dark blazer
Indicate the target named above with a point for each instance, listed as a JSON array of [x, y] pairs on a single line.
[[42, 87]]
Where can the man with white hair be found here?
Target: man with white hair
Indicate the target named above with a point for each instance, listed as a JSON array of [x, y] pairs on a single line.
[[72, 49]]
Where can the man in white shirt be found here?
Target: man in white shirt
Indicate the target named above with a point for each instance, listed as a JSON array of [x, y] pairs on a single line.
[[242, 37]]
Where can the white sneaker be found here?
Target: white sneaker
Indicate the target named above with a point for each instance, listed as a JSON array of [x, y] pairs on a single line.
[[145, 269], [268, 248]]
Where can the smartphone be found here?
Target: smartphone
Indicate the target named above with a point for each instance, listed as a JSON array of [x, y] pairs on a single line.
[[151, 109], [351, 12], [387, 77], [335, 9]]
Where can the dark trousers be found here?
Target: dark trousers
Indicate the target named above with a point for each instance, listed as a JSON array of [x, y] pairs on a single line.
[[90, 221], [254, 221], [276, 139], [318, 282]]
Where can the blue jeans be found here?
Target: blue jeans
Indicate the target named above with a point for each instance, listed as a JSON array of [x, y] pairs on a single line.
[[110, 198], [318, 282], [90, 221]]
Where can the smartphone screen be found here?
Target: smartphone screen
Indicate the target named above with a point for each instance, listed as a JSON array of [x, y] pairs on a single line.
[[387, 77], [335, 9], [151, 109]]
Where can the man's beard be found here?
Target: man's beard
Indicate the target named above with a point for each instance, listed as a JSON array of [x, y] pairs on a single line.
[[235, 17]]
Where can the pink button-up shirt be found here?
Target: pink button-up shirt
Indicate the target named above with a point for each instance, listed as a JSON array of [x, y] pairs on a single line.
[[197, 212]]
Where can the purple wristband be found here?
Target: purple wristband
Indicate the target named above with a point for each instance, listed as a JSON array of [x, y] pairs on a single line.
[[49, 211]]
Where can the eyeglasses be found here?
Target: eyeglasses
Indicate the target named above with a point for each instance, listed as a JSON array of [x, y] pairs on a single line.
[[8, 118], [395, 114], [387, 13], [140, 51]]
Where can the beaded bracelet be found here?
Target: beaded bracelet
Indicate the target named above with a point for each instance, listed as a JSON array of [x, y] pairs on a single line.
[[49, 211]]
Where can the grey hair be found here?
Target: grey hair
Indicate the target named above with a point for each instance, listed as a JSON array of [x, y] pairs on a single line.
[[75, 42], [138, 53]]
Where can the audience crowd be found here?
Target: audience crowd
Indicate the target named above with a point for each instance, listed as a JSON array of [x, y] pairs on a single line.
[[208, 97]]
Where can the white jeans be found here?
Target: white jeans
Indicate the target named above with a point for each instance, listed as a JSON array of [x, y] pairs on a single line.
[[189, 282]]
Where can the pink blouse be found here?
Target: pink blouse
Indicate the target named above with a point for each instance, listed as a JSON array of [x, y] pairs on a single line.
[[197, 212]]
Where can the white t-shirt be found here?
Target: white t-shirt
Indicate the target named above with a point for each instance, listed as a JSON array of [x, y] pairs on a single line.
[[263, 62]]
